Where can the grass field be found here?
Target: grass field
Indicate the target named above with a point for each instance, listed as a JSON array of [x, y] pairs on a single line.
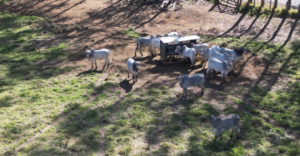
[[47, 110]]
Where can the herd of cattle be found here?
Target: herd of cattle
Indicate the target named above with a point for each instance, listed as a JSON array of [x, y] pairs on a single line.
[[218, 59]]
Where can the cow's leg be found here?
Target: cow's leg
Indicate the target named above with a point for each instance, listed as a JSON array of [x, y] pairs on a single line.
[[231, 133], [222, 77], [153, 51], [104, 66], [207, 72], [234, 66], [215, 137], [216, 134], [204, 64], [133, 77], [202, 89], [238, 130], [96, 63], [137, 47], [141, 50], [92, 64], [182, 95]]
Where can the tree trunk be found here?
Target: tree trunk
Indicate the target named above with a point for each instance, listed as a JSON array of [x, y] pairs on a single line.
[[298, 9], [275, 3], [262, 2], [288, 5]]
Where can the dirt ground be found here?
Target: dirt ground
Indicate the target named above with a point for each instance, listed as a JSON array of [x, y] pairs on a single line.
[[99, 24]]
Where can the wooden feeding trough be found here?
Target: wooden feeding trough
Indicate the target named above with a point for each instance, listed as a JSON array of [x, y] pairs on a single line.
[[169, 44]]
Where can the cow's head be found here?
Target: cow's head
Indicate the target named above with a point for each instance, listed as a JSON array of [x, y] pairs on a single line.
[[178, 50]]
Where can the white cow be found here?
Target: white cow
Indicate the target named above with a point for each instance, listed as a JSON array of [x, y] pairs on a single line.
[[218, 66], [94, 55], [141, 42], [222, 57], [200, 47], [155, 43], [171, 34], [187, 52], [205, 54], [236, 53]]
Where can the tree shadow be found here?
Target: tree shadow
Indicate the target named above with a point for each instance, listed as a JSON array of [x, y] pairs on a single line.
[[293, 26], [277, 30], [78, 3], [233, 27], [267, 23], [251, 25]]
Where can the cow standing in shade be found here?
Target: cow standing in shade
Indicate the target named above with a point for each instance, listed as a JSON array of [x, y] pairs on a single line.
[[185, 82], [225, 124], [218, 66]]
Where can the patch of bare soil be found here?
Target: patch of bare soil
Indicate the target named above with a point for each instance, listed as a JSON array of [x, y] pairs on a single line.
[[99, 24]]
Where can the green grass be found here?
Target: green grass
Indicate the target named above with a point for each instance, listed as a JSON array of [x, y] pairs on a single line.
[[257, 9], [2, 1], [252, 10], [131, 32], [84, 119]]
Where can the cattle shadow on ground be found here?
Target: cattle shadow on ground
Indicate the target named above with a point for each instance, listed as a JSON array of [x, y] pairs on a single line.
[[125, 84], [91, 71]]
